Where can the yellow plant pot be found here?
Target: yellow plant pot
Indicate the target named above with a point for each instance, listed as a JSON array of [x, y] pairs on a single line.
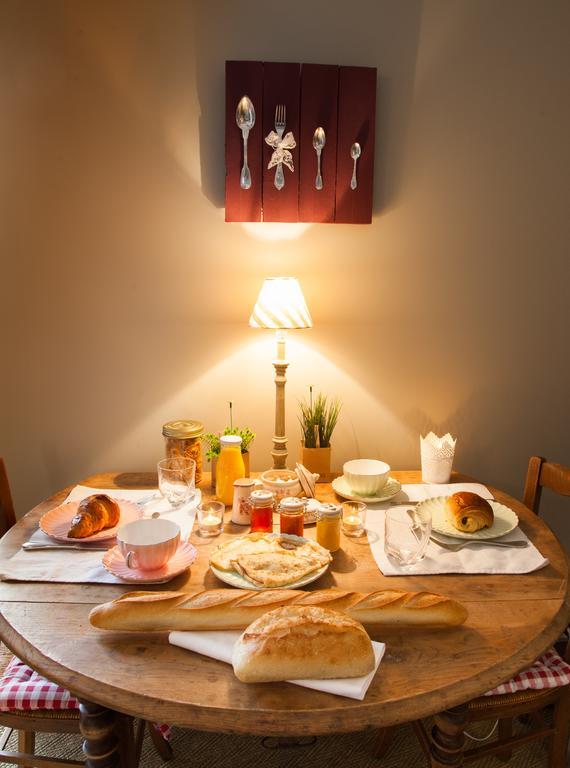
[[317, 460]]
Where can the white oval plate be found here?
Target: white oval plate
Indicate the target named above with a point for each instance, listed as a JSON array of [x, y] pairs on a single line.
[[341, 486], [235, 579], [505, 520]]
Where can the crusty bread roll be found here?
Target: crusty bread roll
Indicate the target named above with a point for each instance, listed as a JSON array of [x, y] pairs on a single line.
[[297, 642], [236, 608], [468, 512], [93, 515]]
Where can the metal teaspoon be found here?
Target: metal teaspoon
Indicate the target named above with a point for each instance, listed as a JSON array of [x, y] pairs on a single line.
[[245, 119], [319, 141], [355, 154]]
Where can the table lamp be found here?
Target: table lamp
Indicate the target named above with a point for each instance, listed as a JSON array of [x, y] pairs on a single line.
[[280, 306]]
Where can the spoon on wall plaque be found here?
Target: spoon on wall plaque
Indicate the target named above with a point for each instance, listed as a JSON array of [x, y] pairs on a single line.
[[245, 119], [319, 141], [355, 152]]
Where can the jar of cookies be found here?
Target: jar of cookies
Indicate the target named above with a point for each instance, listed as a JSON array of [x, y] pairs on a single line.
[[183, 438]]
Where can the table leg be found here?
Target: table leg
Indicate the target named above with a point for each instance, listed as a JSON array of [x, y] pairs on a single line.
[[100, 742], [447, 739]]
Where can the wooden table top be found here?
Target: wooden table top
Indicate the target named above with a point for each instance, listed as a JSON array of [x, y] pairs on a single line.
[[512, 620]]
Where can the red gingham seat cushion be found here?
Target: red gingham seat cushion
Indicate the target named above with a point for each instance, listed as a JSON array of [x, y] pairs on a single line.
[[548, 671], [23, 689]]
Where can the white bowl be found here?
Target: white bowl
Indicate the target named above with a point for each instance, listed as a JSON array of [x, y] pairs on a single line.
[[281, 482], [366, 477]]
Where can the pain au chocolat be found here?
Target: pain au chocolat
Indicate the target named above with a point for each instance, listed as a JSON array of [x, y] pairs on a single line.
[[468, 512]]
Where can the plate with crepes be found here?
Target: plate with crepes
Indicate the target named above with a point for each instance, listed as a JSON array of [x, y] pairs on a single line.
[[269, 561], [57, 522], [505, 520]]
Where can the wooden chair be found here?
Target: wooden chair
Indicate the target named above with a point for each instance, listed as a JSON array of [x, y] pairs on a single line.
[[29, 722], [504, 708]]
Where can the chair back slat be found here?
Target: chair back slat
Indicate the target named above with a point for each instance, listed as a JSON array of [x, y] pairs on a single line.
[[7, 514], [544, 474]]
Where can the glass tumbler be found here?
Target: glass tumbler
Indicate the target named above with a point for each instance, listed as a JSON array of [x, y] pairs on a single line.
[[176, 479], [407, 533]]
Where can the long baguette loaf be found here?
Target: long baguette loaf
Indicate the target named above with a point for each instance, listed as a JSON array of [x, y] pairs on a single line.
[[237, 608]]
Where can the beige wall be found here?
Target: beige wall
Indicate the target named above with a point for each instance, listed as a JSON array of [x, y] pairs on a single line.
[[125, 296]]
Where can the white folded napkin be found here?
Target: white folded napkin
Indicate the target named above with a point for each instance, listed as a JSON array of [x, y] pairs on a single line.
[[220, 645], [476, 558]]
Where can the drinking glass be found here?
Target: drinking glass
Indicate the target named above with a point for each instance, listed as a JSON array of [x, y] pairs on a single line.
[[176, 479], [407, 533]]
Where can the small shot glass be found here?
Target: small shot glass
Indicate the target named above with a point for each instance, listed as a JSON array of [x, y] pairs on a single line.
[[354, 518], [210, 518]]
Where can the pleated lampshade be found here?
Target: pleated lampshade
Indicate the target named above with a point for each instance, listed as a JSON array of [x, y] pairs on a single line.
[[280, 304]]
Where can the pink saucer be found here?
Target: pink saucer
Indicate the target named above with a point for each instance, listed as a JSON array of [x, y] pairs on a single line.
[[114, 562], [57, 522]]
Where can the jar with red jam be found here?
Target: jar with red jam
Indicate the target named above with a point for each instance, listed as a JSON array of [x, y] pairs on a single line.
[[292, 515], [261, 504]]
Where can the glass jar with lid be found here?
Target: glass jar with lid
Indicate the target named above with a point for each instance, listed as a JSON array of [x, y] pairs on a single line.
[[292, 515], [328, 526], [261, 505], [182, 437]]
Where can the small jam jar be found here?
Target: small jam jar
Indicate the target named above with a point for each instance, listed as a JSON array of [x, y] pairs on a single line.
[[292, 515], [328, 526], [183, 438], [261, 504]]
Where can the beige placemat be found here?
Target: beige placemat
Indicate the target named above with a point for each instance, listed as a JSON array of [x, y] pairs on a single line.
[[476, 558], [85, 567]]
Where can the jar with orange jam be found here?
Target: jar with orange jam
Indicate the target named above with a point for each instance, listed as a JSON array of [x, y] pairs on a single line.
[[230, 468], [328, 526], [292, 515]]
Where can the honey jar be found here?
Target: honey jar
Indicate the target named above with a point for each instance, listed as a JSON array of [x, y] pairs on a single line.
[[328, 526], [183, 438]]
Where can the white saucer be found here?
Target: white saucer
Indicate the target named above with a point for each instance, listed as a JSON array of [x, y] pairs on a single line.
[[343, 489]]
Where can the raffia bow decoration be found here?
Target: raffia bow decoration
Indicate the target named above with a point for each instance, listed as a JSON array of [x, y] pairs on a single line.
[[281, 149]]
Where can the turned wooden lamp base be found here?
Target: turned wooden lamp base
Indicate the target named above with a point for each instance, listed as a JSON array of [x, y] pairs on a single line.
[[279, 450]]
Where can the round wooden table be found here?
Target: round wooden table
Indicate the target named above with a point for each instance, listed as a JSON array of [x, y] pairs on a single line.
[[512, 620]]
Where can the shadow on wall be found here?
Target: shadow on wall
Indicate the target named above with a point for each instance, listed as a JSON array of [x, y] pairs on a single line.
[[383, 34]]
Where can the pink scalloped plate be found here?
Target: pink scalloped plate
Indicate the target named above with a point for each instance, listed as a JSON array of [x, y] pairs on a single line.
[[57, 522], [182, 559]]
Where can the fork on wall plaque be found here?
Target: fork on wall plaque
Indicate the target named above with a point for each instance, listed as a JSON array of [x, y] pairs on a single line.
[[282, 144]]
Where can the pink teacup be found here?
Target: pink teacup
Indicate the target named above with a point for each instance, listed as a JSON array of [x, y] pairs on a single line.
[[147, 545]]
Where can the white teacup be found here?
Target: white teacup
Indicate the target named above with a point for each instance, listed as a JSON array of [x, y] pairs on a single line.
[[148, 544], [366, 477]]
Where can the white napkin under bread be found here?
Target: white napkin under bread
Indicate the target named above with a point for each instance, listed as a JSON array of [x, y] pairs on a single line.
[[220, 645]]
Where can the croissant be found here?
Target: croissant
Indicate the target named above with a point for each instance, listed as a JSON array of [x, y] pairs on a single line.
[[468, 512], [94, 514]]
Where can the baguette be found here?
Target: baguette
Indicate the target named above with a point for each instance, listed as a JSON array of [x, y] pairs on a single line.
[[236, 608]]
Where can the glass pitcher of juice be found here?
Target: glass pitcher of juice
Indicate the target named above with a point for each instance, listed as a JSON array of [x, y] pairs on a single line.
[[230, 468]]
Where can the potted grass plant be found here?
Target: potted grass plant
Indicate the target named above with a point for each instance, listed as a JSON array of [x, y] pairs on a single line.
[[318, 419]]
